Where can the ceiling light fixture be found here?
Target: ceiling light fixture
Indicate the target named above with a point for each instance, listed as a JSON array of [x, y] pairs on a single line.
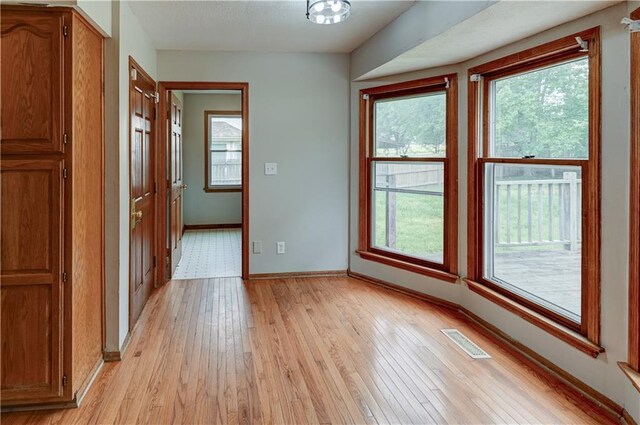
[[327, 12]]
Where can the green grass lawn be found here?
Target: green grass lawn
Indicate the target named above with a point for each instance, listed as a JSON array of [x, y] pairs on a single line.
[[419, 224]]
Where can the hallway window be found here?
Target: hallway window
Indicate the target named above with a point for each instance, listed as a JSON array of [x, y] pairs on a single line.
[[223, 150], [534, 170], [408, 175]]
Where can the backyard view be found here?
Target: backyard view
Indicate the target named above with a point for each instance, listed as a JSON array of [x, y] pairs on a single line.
[[534, 226]]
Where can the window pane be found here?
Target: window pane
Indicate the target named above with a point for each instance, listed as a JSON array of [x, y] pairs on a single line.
[[533, 243], [544, 113], [411, 126], [408, 209], [226, 168], [226, 137]]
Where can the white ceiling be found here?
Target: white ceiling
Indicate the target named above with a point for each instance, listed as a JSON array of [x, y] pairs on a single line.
[[499, 25], [276, 26]]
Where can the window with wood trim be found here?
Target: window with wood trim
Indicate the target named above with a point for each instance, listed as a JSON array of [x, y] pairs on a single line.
[[534, 181], [408, 175], [223, 151], [634, 240]]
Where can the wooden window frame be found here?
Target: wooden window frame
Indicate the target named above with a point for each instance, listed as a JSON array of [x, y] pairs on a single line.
[[446, 271], [634, 239], [586, 334], [208, 187]]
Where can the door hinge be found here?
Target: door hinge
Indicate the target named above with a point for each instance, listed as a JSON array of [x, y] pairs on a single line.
[[65, 138], [64, 173], [64, 277], [155, 187], [155, 261], [64, 380], [65, 30]]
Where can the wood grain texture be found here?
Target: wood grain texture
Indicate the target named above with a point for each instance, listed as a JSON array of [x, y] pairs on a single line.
[[309, 350], [31, 284], [634, 238], [86, 278], [31, 84], [142, 184], [176, 198]]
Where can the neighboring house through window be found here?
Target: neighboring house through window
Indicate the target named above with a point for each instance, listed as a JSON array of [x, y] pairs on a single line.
[[223, 150]]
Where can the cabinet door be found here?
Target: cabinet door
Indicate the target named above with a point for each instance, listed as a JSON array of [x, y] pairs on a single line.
[[31, 59], [30, 280]]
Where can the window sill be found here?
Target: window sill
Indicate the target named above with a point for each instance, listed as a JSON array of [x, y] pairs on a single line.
[[567, 335], [223, 189], [427, 271], [633, 376]]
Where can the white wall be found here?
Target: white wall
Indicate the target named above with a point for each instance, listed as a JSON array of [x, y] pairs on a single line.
[[202, 207], [602, 373], [99, 13], [299, 118], [128, 39]]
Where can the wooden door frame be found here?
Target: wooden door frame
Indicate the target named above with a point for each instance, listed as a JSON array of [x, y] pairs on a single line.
[[164, 87], [141, 75]]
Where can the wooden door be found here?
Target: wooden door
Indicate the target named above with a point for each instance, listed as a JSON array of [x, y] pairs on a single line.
[[31, 224], [31, 81], [177, 186], [31, 279], [142, 203]]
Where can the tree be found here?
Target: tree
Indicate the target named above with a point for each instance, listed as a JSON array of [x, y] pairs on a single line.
[[543, 113], [414, 125]]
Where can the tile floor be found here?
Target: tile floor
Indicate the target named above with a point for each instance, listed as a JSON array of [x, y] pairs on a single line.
[[210, 253]]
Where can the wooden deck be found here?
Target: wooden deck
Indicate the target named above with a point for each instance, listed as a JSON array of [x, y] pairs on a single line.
[[551, 275], [309, 351]]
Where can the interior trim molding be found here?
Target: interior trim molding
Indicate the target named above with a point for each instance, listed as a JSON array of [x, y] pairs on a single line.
[[633, 376], [117, 355], [627, 418], [410, 292], [212, 226], [293, 275], [84, 388], [564, 334], [569, 385]]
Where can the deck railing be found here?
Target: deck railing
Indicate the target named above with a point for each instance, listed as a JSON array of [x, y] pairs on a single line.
[[226, 173], [538, 212]]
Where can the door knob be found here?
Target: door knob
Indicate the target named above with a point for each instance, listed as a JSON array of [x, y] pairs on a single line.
[[183, 186]]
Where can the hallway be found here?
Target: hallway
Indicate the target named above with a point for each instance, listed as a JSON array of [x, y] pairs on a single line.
[[314, 350]]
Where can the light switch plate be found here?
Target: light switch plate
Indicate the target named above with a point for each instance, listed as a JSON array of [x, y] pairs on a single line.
[[270, 168], [257, 247], [280, 247]]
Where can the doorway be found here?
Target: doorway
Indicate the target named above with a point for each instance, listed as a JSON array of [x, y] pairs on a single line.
[[205, 127]]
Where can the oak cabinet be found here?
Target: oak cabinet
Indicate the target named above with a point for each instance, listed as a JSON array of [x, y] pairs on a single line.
[[51, 171]]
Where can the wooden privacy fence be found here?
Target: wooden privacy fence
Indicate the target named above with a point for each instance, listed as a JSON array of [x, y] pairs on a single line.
[[538, 212]]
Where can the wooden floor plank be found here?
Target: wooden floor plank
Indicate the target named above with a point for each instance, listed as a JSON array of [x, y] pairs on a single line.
[[323, 350]]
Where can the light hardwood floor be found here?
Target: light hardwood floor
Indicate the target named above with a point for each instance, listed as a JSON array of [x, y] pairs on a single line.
[[313, 350]]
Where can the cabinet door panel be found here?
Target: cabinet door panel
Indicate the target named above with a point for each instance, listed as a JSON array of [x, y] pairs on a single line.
[[30, 279], [31, 81]]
